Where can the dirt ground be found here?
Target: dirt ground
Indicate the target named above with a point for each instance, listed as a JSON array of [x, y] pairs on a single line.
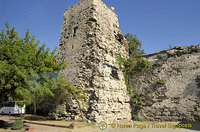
[[137, 127], [37, 128]]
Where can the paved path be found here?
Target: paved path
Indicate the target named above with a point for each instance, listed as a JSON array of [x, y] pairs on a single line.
[[42, 128]]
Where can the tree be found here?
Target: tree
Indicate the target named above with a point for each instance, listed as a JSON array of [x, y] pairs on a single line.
[[22, 58], [134, 45], [61, 92]]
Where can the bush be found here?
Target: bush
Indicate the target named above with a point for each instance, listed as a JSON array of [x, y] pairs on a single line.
[[142, 65], [137, 102], [132, 66], [17, 125], [142, 119], [136, 118], [159, 56]]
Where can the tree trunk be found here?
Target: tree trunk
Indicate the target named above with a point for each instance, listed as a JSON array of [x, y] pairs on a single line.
[[34, 107]]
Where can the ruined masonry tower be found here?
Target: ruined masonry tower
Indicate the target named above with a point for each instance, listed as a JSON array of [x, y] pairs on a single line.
[[90, 41]]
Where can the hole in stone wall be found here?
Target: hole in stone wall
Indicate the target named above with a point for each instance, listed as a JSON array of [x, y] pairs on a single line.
[[92, 20], [75, 30], [198, 81], [114, 73], [72, 46], [119, 38], [92, 23]]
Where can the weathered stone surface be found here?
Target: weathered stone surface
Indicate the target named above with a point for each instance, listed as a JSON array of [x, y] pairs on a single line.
[[90, 41], [178, 98]]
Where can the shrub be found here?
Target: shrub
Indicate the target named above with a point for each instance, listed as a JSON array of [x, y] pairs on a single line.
[[137, 102], [161, 81], [142, 64], [132, 66], [136, 118], [17, 125], [159, 56], [142, 119]]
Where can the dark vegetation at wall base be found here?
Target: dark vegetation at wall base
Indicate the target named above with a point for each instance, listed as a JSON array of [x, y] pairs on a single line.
[[25, 69]]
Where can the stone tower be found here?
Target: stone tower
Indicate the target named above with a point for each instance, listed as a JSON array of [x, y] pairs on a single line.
[[90, 41]]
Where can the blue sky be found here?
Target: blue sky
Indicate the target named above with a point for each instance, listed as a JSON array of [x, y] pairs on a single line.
[[157, 23]]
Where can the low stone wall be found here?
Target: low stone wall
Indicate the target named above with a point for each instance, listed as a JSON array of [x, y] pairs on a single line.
[[171, 88]]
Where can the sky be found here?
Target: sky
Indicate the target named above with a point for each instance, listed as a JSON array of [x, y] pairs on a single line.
[[157, 23]]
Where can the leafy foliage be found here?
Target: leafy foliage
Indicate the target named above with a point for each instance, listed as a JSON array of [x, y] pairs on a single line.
[[19, 58], [136, 118], [25, 73], [132, 66], [142, 65], [134, 45], [17, 125], [128, 69], [159, 56], [60, 92], [137, 102]]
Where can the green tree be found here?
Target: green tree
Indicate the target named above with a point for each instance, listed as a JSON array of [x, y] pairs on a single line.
[[19, 59], [134, 45], [60, 92]]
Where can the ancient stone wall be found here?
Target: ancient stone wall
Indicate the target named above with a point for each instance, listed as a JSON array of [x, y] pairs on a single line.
[[90, 41], [179, 97]]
